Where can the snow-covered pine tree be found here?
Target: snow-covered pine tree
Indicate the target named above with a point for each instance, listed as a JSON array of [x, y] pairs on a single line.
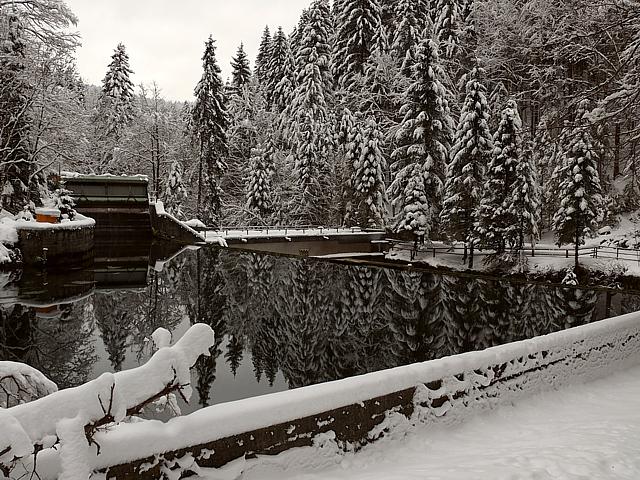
[[470, 155], [241, 72], [115, 105], [264, 54], [175, 191], [349, 144], [259, 194], [280, 73], [308, 113], [581, 205], [424, 140], [447, 27], [408, 32], [367, 179], [358, 23], [525, 201], [210, 122], [495, 219]]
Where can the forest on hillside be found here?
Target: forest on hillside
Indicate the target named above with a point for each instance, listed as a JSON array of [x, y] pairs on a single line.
[[482, 121]]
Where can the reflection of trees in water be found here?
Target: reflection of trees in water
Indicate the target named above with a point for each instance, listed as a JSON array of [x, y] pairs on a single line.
[[60, 347], [207, 283], [318, 321]]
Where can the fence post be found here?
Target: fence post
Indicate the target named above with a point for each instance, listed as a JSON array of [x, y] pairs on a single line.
[[617, 253], [566, 253], [434, 252]]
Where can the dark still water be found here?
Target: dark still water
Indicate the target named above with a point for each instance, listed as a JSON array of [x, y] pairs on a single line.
[[279, 322]]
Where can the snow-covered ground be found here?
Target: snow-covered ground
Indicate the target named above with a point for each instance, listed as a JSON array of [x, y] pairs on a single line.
[[589, 431]]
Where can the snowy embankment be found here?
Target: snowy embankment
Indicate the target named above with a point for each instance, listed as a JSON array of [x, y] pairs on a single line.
[[446, 391], [588, 431]]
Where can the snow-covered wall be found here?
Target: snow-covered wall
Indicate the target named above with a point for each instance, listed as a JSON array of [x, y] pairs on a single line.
[[65, 242], [168, 227], [446, 390]]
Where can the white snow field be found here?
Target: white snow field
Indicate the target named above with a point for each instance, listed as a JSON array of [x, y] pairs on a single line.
[[588, 431]]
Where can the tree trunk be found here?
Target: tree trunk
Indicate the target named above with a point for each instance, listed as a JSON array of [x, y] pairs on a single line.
[[470, 253], [198, 208], [616, 152], [577, 243]]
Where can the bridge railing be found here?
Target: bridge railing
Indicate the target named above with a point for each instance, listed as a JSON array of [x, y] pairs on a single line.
[[283, 229], [598, 251]]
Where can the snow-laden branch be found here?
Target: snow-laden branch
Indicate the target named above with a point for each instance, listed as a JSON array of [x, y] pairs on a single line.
[[29, 427]]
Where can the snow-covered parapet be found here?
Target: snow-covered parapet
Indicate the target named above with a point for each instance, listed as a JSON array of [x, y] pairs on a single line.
[[440, 391], [108, 399], [79, 221], [167, 226]]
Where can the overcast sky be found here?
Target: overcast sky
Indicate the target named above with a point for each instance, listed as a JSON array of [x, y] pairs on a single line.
[[165, 38]]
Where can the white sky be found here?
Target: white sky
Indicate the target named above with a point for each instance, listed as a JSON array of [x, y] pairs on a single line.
[[165, 38]]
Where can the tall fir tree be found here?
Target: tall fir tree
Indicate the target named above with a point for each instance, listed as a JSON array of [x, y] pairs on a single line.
[[175, 191], [264, 54], [447, 27], [424, 140], [116, 101], [209, 123], [368, 180], [308, 114], [470, 155], [581, 204], [358, 24], [408, 32], [525, 202], [349, 144], [495, 217], [280, 73], [240, 71], [259, 194]]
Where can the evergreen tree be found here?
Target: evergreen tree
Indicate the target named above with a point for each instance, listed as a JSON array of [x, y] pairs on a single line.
[[407, 35], [470, 155], [235, 351], [581, 205], [349, 144], [309, 114], [209, 120], [495, 217], [15, 158], [367, 179], [263, 57], [447, 27], [424, 139], [358, 23], [241, 72], [259, 189], [525, 202], [280, 73], [115, 105], [175, 191]]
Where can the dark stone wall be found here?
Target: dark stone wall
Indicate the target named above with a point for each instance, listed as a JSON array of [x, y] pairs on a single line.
[[63, 246]]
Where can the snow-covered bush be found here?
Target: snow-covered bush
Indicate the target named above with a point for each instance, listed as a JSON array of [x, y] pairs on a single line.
[[64, 202]]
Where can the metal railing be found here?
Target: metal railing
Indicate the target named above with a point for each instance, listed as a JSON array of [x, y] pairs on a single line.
[[617, 253], [285, 229]]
